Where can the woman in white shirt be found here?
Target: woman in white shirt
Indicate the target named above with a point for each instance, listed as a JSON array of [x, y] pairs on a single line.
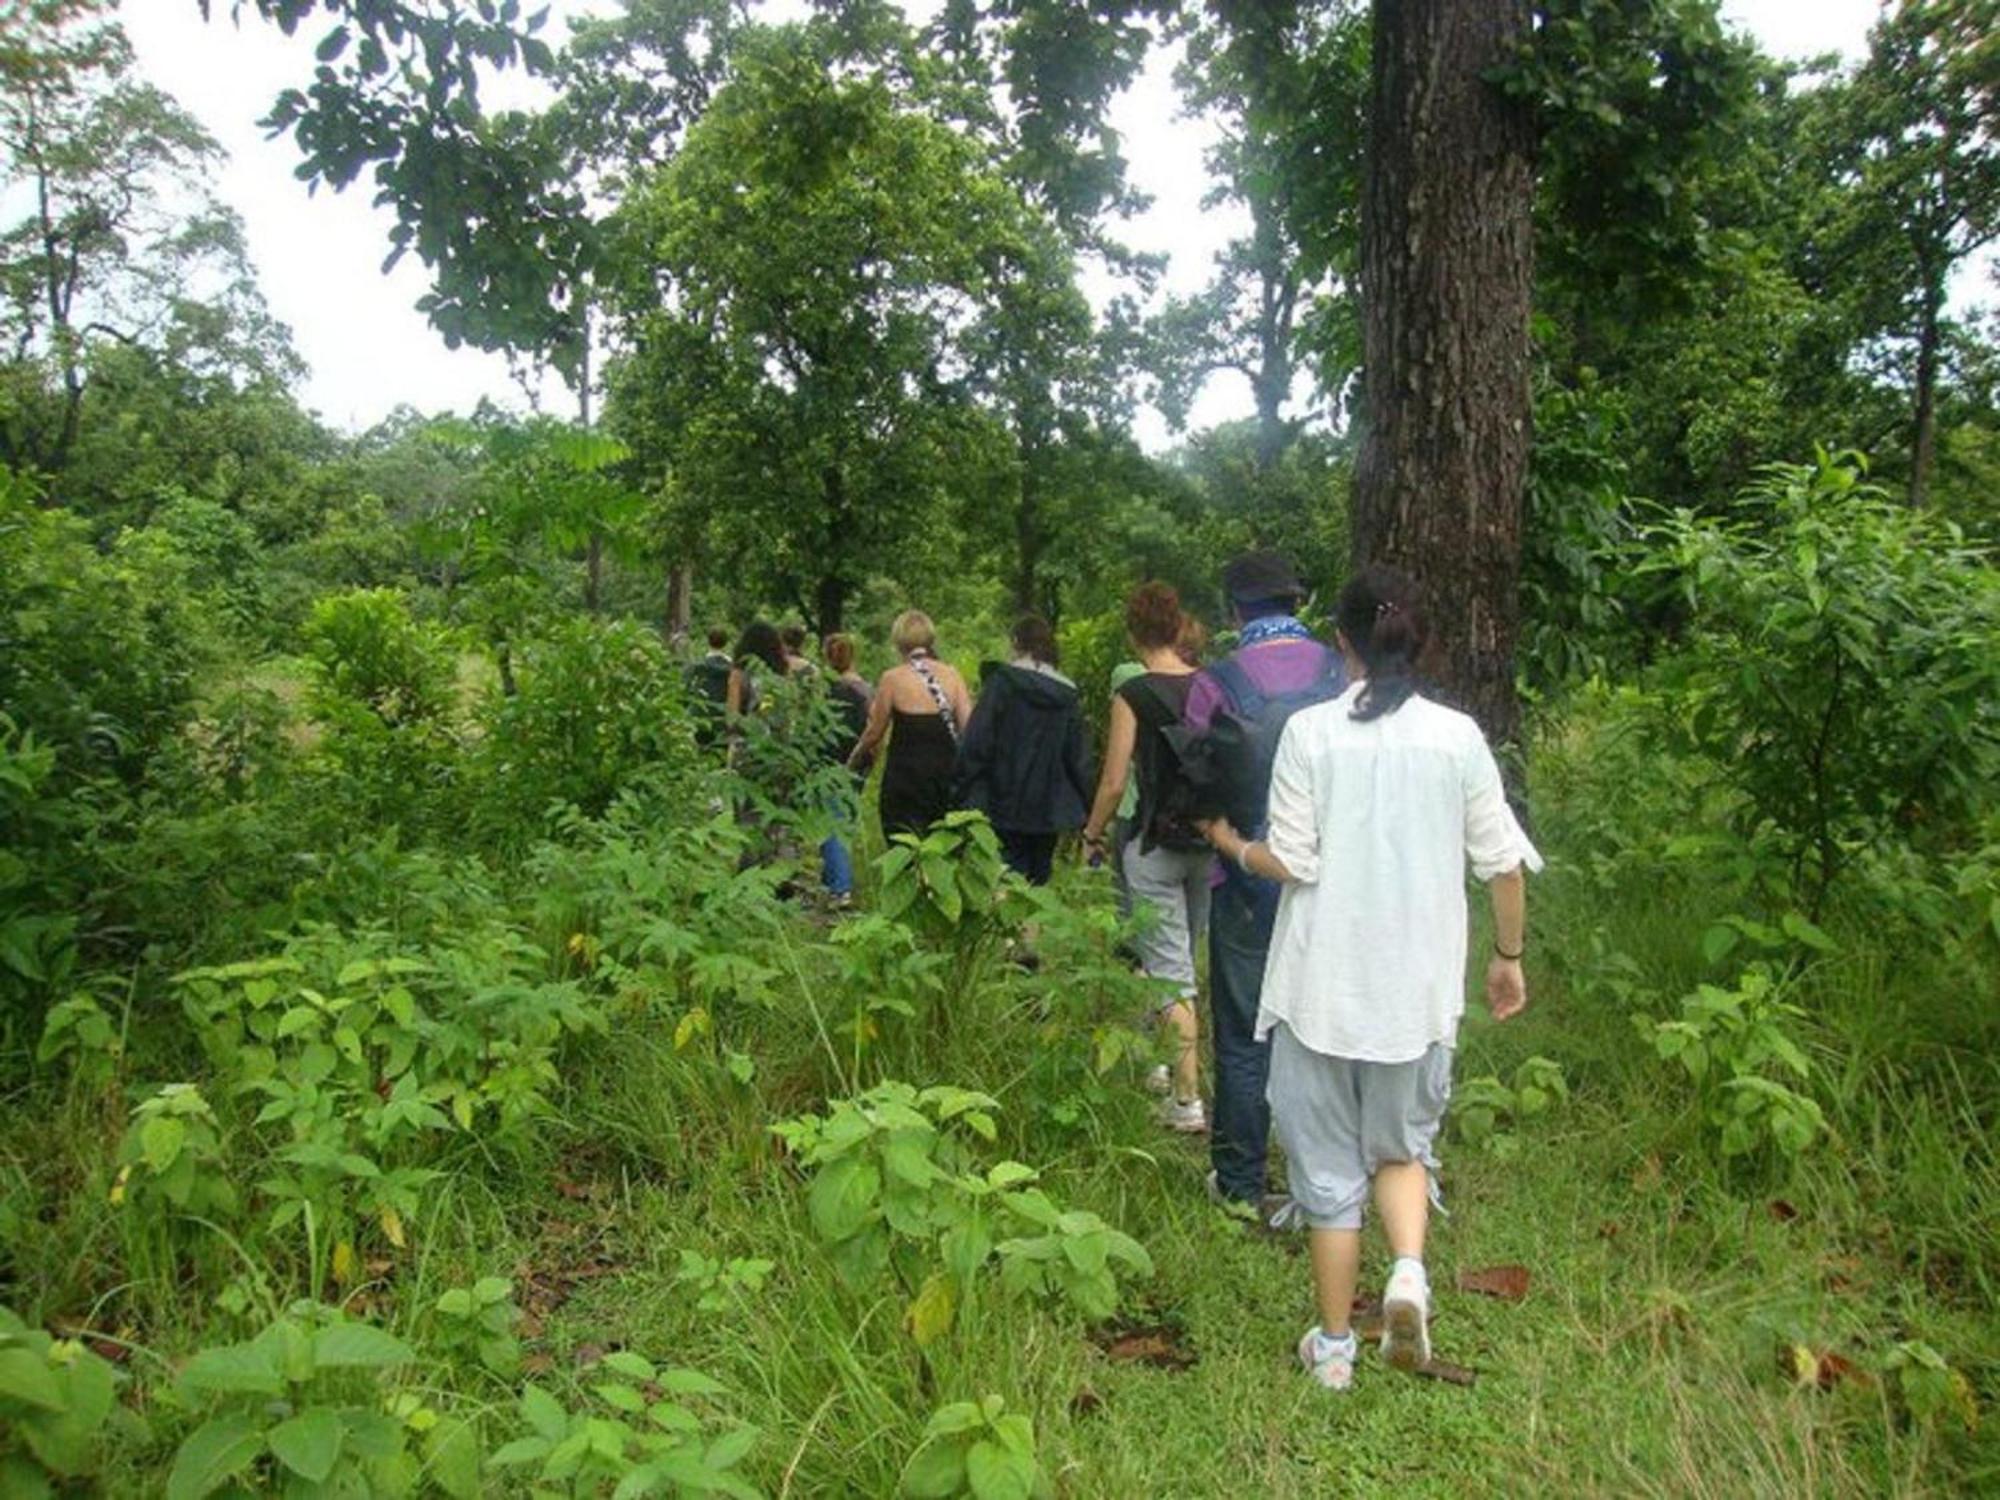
[[1379, 801]]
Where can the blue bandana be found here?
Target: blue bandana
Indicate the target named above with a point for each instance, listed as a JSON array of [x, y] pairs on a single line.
[[1272, 628]]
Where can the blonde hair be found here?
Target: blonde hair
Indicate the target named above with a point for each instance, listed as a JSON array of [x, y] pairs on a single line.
[[912, 631]]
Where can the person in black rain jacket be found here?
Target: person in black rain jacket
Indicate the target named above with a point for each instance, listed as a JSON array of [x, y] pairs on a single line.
[[1025, 758]]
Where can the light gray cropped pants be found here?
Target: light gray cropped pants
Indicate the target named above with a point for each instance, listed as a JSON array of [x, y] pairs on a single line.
[[1174, 884], [1339, 1119]]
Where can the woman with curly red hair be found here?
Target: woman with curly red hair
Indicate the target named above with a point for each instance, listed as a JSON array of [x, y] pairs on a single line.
[[1165, 861]]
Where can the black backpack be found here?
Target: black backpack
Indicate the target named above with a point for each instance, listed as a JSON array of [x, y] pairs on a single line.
[[1168, 810], [708, 698], [1228, 768]]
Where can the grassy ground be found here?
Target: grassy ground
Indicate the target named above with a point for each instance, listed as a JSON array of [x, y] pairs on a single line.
[[1654, 1353]]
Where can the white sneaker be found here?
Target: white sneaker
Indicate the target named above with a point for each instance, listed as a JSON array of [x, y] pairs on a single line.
[[1184, 1116], [1160, 1080], [1406, 1311], [1329, 1361]]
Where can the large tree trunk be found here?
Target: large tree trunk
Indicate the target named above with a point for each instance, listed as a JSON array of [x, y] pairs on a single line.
[[1923, 420], [1447, 267], [1029, 542], [680, 602]]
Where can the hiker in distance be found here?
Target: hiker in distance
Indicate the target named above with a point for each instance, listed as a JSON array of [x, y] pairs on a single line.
[[1378, 802], [922, 708], [1237, 708], [1165, 861], [1025, 758]]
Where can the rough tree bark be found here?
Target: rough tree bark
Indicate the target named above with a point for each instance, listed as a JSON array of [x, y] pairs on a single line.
[[1447, 265], [1923, 419]]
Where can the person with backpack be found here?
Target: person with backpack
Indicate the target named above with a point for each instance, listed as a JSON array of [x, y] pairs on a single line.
[[850, 693], [1025, 758], [1236, 710], [1378, 803], [708, 690], [1166, 860]]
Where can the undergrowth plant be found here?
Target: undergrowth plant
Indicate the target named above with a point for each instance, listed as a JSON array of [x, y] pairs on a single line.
[[895, 1190]]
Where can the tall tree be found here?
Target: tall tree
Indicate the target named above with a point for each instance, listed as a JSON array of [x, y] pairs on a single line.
[[1917, 149], [1286, 85], [121, 240], [1447, 274], [819, 249]]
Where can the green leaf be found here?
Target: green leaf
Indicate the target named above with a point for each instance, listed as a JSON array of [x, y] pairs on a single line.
[[685, 1382], [451, 1456], [632, 1366], [994, 1472], [216, 1451], [26, 1377], [623, 1397], [160, 1141], [931, 1310], [935, 1471], [842, 1197], [236, 1369], [359, 1346], [521, 1451], [544, 1413], [1806, 933], [960, 1416], [309, 1443], [21, 1479]]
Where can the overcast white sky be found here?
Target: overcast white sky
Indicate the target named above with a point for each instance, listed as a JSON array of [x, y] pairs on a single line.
[[319, 257]]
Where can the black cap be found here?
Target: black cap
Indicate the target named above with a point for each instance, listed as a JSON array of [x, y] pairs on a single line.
[[1261, 575]]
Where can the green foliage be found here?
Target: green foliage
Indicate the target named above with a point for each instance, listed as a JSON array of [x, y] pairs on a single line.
[[1841, 673], [56, 1405], [1487, 1113], [895, 1188], [302, 1402], [949, 882], [35, 936], [1736, 1047], [370, 652], [383, 688], [100, 653], [822, 237], [173, 1152], [596, 705], [480, 1320], [633, 1435], [976, 1448]]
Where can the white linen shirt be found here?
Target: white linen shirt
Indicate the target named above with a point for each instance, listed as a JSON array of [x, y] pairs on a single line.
[[1376, 822]]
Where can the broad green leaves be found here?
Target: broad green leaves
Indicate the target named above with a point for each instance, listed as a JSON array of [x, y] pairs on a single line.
[[976, 1448]]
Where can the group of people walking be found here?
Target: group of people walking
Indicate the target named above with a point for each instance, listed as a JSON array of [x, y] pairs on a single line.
[[1306, 808]]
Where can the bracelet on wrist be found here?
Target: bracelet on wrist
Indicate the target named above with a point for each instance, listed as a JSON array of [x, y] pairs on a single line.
[[1243, 856], [1512, 958]]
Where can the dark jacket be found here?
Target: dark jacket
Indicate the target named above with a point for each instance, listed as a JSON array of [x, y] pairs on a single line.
[[1024, 759]]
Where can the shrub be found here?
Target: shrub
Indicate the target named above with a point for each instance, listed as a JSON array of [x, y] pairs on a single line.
[[1843, 673], [97, 656], [596, 705]]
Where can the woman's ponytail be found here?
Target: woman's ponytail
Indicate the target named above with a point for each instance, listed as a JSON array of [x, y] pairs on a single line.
[[1381, 614]]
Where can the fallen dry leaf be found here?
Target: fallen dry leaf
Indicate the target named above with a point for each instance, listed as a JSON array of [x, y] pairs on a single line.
[[1783, 1211], [1508, 1283], [1159, 1345], [1820, 1369], [1450, 1374]]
